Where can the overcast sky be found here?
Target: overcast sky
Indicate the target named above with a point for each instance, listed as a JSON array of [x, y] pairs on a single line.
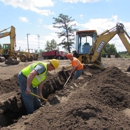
[[36, 17]]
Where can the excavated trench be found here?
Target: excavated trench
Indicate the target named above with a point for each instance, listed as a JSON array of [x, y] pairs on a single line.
[[12, 107]]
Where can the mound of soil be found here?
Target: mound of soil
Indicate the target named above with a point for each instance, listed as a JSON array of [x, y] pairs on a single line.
[[97, 100], [9, 85]]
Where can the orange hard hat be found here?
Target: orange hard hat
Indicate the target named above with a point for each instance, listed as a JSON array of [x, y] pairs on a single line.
[[69, 55]]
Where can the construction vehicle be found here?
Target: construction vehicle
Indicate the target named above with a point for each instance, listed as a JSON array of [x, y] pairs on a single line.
[[35, 55], [7, 51], [54, 54], [90, 52], [27, 55]]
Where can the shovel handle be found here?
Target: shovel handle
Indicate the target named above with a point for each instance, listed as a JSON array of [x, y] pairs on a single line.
[[66, 81], [38, 96]]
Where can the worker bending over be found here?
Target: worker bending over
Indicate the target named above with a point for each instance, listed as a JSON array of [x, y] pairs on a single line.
[[31, 79], [77, 66]]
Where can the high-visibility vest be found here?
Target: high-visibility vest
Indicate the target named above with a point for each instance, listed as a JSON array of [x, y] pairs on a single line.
[[74, 63], [38, 78]]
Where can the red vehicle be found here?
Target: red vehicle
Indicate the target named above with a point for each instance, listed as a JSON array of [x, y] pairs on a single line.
[[54, 54]]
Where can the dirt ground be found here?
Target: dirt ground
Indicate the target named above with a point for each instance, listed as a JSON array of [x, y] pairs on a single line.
[[97, 100]]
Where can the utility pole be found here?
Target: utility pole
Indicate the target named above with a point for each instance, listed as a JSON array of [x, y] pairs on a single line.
[[28, 41], [38, 43]]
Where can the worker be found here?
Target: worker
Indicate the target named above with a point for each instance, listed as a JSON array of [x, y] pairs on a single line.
[[77, 66], [31, 80]]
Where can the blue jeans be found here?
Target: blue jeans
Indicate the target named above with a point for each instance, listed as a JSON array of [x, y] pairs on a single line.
[[31, 103], [77, 73]]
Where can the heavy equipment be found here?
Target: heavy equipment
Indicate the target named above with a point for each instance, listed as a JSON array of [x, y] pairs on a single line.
[[7, 51], [90, 53], [54, 54], [27, 55], [34, 54]]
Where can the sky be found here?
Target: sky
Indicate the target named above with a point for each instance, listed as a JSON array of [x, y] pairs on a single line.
[[33, 19]]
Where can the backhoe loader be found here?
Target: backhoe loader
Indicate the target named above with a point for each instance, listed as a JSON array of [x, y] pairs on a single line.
[[7, 51], [90, 53]]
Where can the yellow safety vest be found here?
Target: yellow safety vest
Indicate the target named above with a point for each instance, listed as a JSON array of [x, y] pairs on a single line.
[[38, 78]]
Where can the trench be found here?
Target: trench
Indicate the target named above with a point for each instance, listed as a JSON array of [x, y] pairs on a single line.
[[13, 108]]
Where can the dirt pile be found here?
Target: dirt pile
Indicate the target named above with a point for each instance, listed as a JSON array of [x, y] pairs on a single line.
[[112, 88], [98, 100], [9, 85]]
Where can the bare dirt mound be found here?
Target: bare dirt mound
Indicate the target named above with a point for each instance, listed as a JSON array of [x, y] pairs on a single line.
[[9, 85], [112, 88], [98, 100]]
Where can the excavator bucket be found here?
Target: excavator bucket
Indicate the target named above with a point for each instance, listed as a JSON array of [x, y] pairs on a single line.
[[11, 61]]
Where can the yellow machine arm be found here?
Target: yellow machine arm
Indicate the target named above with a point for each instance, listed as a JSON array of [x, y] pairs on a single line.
[[106, 36]]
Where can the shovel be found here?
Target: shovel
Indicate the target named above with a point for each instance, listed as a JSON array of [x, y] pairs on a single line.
[[38, 96], [66, 81]]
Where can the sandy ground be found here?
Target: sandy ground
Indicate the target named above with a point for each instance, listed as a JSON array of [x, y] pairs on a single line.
[[7, 71], [97, 100]]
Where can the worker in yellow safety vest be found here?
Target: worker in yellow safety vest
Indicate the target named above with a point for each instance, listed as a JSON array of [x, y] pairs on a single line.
[[31, 80]]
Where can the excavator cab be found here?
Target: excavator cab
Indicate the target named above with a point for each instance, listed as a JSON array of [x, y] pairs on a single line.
[[84, 40], [6, 50], [84, 43]]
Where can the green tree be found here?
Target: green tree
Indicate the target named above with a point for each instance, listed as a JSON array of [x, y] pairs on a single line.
[[66, 23], [51, 45], [109, 49]]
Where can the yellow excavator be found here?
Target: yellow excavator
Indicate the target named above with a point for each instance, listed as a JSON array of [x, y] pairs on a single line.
[[8, 53], [89, 44], [7, 50]]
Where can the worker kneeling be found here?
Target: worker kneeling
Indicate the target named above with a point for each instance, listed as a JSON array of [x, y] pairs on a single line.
[[31, 80], [77, 66]]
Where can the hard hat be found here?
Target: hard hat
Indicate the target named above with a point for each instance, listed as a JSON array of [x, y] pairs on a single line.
[[55, 63], [69, 55]]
